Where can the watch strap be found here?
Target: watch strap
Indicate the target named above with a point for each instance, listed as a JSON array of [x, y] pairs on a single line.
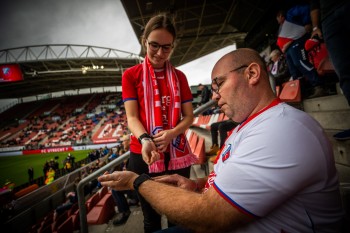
[[139, 180], [142, 136]]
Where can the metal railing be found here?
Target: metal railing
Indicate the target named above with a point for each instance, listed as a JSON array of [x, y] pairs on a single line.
[[86, 180], [108, 167]]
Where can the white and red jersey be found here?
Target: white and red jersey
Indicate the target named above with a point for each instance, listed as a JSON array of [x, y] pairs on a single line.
[[278, 166]]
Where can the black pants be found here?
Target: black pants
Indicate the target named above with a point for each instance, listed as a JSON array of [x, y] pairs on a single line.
[[152, 220], [221, 128]]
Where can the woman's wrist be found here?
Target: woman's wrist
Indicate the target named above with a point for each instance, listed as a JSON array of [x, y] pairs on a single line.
[[143, 137], [144, 140]]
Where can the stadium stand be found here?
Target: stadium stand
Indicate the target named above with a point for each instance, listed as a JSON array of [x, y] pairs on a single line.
[[64, 121]]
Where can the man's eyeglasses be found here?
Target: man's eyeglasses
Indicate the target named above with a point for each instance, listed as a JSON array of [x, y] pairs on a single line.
[[154, 46], [219, 84]]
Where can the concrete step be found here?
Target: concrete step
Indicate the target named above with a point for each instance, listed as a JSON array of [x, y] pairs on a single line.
[[134, 224], [341, 149], [335, 120], [344, 173], [332, 112], [326, 103]]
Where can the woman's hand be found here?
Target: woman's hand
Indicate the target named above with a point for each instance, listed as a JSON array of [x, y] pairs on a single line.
[[118, 180], [149, 152], [162, 139]]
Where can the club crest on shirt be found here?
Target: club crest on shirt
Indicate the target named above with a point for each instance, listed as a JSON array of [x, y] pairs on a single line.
[[156, 130], [180, 142], [225, 154]]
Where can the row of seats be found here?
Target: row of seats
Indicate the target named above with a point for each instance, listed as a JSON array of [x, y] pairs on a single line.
[[66, 222], [100, 207], [197, 145], [205, 121]]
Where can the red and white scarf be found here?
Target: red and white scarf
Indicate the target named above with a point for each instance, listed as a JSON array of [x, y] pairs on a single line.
[[180, 152]]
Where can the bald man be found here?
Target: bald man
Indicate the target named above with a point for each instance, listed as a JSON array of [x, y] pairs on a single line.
[[275, 173]]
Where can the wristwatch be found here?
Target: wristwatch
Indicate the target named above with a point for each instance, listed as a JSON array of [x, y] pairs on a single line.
[[139, 180], [142, 136]]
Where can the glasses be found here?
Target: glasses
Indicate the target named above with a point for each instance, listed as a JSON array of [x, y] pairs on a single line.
[[154, 46], [219, 84]]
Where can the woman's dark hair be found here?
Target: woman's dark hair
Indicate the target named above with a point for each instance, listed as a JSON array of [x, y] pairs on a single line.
[[157, 22]]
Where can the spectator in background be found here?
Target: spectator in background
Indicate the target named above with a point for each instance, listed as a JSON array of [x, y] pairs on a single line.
[[333, 17], [158, 104], [50, 176], [292, 35], [205, 93], [46, 168], [31, 174], [71, 158], [119, 196], [278, 68], [113, 154], [204, 98], [221, 129], [71, 199]]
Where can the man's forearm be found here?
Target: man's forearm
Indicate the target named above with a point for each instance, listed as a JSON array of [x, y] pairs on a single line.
[[177, 204], [192, 210]]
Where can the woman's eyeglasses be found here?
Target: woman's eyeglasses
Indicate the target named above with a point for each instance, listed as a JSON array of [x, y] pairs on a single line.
[[154, 46]]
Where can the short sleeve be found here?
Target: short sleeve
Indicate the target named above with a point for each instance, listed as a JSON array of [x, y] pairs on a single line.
[[186, 94]]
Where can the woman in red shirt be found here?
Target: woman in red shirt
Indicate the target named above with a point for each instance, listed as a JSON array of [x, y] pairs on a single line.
[[158, 104]]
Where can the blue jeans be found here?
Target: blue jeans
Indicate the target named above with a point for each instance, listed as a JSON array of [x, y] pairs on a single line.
[[298, 63], [336, 29]]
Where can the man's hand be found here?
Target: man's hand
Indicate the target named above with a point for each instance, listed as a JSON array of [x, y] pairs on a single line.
[[118, 180], [317, 32], [177, 180]]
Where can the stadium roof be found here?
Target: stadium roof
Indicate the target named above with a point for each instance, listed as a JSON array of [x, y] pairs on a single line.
[[56, 68], [204, 26]]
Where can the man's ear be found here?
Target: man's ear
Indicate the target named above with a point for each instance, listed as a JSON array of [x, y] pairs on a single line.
[[253, 72]]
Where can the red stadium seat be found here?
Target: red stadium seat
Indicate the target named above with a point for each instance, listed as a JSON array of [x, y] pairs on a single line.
[[92, 201], [193, 141], [59, 220], [103, 191], [66, 226], [291, 91], [200, 151], [102, 212]]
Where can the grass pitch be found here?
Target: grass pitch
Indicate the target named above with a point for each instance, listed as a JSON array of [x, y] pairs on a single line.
[[15, 168]]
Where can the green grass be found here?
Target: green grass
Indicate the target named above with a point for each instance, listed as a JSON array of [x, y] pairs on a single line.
[[15, 168]]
